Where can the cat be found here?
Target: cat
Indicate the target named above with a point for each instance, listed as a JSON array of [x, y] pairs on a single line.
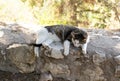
[[65, 34]]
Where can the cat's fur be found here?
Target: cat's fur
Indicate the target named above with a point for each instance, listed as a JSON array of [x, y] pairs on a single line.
[[63, 33]]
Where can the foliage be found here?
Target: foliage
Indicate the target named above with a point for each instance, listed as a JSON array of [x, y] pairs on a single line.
[[86, 13]]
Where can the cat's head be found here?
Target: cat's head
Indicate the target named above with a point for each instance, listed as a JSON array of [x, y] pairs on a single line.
[[79, 37]]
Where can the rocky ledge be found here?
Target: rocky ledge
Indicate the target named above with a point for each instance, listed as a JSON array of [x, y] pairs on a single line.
[[18, 61]]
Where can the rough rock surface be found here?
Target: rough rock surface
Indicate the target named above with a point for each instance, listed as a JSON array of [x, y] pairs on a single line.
[[18, 62]]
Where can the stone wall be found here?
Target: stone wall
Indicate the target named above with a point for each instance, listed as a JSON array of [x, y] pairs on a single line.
[[102, 62]]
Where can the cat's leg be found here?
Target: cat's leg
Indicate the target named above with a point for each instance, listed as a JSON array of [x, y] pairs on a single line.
[[42, 36], [36, 49], [84, 46], [66, 47]]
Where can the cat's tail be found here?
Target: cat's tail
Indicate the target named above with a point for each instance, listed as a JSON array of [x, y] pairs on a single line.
[[35, 45]]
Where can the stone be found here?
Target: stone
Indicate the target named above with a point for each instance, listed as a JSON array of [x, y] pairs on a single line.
[[55, 50], [117, 71], [22, 57], [57, 69], [17, 57], [1, 33], [46, 76], [98, 58], [117, 59], [94, 74]]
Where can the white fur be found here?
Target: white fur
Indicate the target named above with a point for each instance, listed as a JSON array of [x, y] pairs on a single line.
[[66, 47], [45, 38], [76, 43], [41, 37], [84, 46]]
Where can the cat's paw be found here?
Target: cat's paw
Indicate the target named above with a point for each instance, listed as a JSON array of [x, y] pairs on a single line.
[[36, 51], [84, 52], [66, 53]]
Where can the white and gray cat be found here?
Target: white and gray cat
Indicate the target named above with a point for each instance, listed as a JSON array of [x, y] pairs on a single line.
[[65, 34]]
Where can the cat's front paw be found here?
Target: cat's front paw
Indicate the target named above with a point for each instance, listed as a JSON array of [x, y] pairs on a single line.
[[36, 51], [84, 52], [66, 53]]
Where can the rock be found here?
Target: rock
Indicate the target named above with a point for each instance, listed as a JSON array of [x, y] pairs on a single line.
[[117, 59], [16, 56], [105, 46], [57, 69], [95, 74], [98, 58], [22, 57], [54, 50], [46, 76], [1, 33], [117, 71]]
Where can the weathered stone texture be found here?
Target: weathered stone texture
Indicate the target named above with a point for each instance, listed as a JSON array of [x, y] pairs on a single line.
[[102, 62]]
